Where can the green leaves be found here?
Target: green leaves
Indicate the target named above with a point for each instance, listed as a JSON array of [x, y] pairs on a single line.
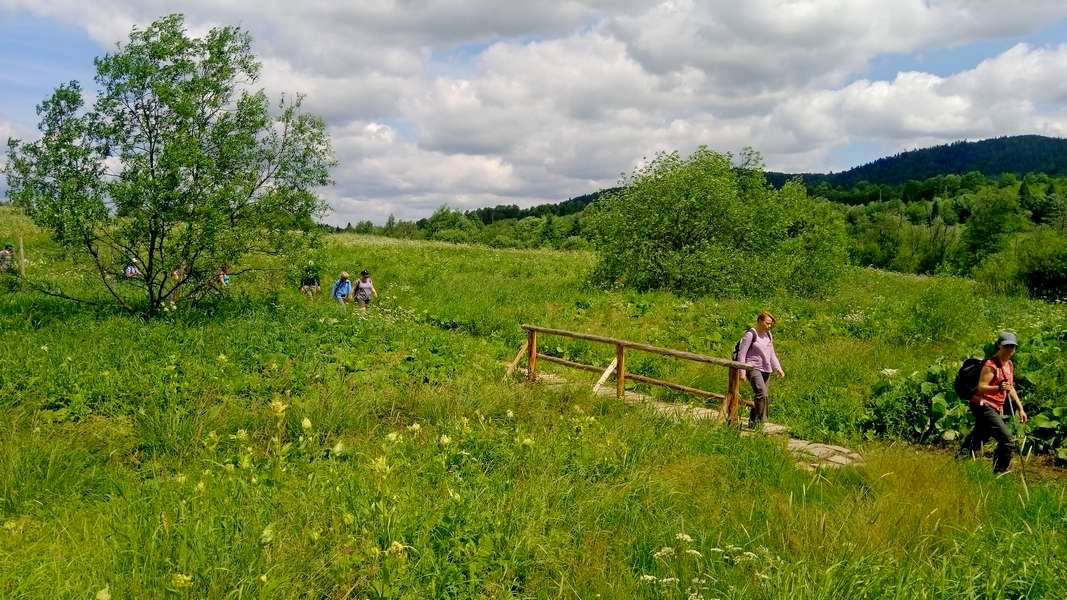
[[177, 165], [699, 225]]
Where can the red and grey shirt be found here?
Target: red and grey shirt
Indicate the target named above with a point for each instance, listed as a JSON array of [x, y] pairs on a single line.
[[1001, 373]]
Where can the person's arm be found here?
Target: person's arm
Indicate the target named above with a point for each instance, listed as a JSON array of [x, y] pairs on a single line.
[[985, 383], [775, 363], [373, 291]]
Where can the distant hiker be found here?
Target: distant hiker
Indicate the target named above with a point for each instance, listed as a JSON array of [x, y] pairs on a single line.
[[132, 271], [756, 349], [995, 384], [342, 288], [365, 290], [224, 275], [309, 282], [7, 257]]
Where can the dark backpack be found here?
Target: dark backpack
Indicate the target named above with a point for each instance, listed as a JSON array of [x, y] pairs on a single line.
[[737, 347], [966, 383]]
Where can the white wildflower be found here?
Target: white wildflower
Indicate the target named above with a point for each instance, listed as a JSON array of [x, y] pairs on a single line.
[[692, 552], [445, 440], [682, 537], [414, 427], [663, 552], [306, 424], [669, 580], [392, 436], [649, 578]]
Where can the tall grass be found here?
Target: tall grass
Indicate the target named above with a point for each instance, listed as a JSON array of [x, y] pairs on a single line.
[[274, 447]]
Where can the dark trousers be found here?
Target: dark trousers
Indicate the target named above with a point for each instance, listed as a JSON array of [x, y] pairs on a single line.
[[760, 397], [989, 424]]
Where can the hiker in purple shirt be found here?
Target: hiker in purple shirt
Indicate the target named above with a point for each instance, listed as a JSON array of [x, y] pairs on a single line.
[[757, 350]]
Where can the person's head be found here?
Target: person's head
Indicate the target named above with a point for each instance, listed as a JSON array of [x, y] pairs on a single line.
[[344, 275], [364, 274], [8, 247], [1007, 342], [765, 320]]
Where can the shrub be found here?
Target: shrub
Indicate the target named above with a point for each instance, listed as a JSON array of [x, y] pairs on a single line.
[[698, 225], [940, 313], [1042, 264]]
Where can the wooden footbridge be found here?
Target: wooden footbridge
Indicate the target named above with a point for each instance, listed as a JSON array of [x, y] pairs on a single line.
[[810, 455]]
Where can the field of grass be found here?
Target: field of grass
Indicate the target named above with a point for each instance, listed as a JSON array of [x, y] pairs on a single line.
[[271, 447]]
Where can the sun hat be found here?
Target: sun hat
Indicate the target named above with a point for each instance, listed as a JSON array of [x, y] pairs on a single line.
[[1007, 338]]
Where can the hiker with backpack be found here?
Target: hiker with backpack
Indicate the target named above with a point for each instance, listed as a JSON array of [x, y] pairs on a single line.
[[756, 348], [987, 388]]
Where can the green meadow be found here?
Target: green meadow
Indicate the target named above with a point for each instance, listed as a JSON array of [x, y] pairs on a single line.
[[270, 446]]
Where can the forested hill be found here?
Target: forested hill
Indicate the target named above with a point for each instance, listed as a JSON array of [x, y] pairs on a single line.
[[1015, 154]]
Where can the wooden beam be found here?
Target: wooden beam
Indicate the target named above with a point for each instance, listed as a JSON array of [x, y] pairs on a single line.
[[643, 379], [604, 377], [702, 358], [515, 362], [620, 371], [531, 350]]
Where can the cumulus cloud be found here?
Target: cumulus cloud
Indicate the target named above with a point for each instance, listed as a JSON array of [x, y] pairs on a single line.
[[473, 102]]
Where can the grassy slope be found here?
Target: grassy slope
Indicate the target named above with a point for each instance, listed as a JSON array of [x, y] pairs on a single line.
[[176, 465]]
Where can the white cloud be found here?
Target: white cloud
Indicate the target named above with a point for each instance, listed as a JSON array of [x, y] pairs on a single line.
[[474, 102]]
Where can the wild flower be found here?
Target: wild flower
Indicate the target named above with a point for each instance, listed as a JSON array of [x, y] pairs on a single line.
[[527, 442], [104, 594], [649, 578], [510, 414], [267, 536], [306, 424], [392, 436], [278, 407], [338, 448], [414, 427], [445, 440], [44, 348], [241, 436], [200, 487], [397, 550], [263, 578], [222, 358], [663, 552], [692, 552], [181, 581], [668, 581], [890, 372], [348, 518], [379, 465], [682, 537]]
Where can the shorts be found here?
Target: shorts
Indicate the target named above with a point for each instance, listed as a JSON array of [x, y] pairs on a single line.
[[363, 301]]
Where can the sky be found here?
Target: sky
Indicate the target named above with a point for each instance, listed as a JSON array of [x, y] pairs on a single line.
[[471, 103]]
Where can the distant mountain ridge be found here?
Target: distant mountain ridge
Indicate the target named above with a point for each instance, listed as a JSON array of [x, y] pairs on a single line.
[[1010, 154]]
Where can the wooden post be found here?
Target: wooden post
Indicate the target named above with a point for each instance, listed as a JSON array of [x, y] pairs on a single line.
[[22, 258], [531, 353], [620, 371], [733, 396], [604, 376], [514, 362]]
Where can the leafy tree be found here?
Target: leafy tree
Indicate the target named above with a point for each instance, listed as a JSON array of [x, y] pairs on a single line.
[[699, 225], [178, 165], [996, 216]]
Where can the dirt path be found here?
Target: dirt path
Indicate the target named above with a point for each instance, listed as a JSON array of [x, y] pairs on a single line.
[[809, 455]]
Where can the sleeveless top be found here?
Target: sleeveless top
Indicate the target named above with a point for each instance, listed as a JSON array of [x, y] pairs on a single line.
[[1005, 372], [363, 289]]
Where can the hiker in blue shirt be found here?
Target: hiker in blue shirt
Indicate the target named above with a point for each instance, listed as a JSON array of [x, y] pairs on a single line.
[[342, 288]]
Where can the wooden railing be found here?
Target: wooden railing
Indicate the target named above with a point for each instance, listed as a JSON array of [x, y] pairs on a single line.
[[731, 399]]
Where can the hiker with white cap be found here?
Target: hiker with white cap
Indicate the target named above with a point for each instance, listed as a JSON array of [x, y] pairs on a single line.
[[995, 385]]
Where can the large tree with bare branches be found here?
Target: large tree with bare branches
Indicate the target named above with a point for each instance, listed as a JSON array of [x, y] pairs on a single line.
[[180, 167]]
